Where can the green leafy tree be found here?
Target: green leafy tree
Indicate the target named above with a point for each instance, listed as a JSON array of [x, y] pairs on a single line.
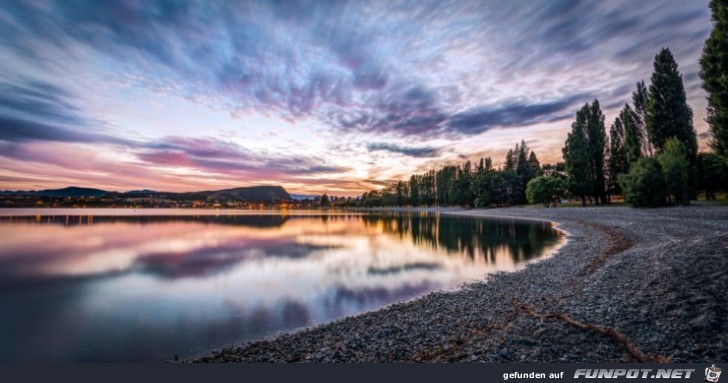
[[644, 185], [714, 73], [546, 190], [668, 114], [675, 171]]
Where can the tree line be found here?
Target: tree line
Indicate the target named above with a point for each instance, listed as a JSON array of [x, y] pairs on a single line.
[[468, 185], [649, 155]]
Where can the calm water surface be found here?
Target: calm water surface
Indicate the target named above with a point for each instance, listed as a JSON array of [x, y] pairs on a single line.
[[123, 285]]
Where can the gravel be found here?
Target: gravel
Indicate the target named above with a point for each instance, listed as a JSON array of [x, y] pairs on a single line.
[[658, 276]]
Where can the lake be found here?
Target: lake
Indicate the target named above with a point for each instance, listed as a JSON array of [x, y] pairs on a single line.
[[145, 285]]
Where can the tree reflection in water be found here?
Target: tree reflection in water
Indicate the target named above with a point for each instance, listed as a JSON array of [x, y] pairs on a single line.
[[475, 237], [113, 287]]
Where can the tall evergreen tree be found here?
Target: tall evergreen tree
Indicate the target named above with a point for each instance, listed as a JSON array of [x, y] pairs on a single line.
[[639, 98], [482, 184], [510, 161], [534, 167], [522, 173], [714, 72], [401, 193], [617, 163], [596, 143], [576, 157], [462, 194], [633, 138], [414, 187], [429, 188], [668, 114]]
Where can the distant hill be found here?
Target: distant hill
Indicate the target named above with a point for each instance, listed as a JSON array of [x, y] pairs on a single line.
[[245, 194], [252, 194], [71, 191]]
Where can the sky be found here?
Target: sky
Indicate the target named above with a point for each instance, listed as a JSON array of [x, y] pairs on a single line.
[[316, 96]]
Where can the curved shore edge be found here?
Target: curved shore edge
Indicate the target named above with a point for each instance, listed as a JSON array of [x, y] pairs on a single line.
[[659, 277]]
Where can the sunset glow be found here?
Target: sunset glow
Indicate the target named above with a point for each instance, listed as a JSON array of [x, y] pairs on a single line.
[[334, 96]]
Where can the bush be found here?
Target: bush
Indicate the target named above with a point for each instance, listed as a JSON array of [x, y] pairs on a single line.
[[545, 190], [675, 166], [644, 185]]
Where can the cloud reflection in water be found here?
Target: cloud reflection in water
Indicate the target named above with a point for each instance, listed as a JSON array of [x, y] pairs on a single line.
[[146, 289]]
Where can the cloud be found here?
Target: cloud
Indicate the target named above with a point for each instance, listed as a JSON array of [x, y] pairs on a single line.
[[215, 155], [513, 114], [33, 110], [411, 70], [424, 151], [343, 61]]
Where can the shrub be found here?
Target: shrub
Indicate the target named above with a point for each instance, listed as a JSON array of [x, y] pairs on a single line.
[[675, 166], [545, 190], [644, 185]]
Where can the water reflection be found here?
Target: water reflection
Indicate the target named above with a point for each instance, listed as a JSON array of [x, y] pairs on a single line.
[[137, 288]]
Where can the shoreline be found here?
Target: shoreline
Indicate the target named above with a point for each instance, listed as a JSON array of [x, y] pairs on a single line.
[[657, 276]]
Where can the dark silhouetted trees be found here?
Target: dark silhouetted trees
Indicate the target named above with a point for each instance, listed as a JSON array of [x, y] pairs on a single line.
[[596, 143], [464, 185], [633, 134], [714, 73], [712, 174], [617, 162], [668, 114], [639, 98], [584, 154]]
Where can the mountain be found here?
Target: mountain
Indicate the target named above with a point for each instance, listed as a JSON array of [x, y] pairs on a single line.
[[245, 194], [71, 191], [252, 194]]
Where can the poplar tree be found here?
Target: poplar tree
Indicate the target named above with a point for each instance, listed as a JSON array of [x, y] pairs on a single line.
[[639, 98], [596, 141], [633, 137], [576, 157], [617, 163], [714, 73], [668, 114]]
